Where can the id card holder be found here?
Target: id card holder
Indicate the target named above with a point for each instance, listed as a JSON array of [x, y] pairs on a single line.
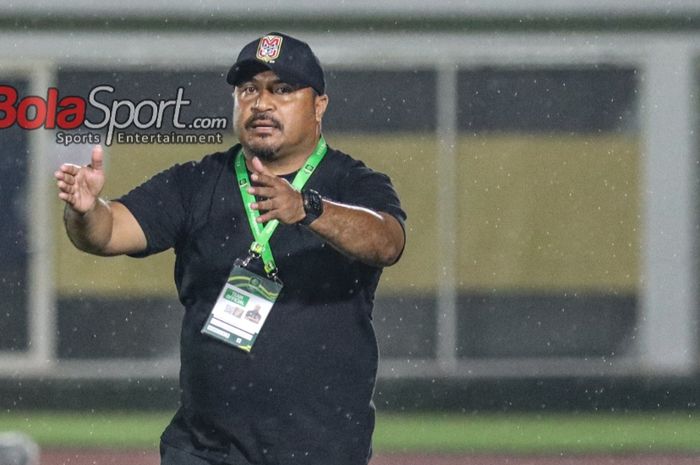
[[242, 308]]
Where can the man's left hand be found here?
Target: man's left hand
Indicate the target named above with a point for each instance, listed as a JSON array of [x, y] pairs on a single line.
[[283, 202]]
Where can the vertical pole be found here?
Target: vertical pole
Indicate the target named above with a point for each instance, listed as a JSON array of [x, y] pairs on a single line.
[[42, 326], [668, 332], [447, 216]]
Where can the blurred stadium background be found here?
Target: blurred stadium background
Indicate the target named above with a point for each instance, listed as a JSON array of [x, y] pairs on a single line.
[[546, 152]]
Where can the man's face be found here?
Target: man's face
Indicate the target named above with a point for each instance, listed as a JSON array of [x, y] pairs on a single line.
[[273, 119]]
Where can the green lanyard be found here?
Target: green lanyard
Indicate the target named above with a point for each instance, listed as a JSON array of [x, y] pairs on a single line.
[[260, 246]]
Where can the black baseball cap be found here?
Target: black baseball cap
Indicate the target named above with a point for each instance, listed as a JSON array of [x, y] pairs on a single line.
[[291, 59]]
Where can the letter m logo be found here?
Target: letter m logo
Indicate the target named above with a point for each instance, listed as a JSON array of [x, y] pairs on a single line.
[[269, 48]]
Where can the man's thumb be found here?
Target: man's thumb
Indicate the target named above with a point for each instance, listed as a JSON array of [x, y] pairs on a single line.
[[96, 162]]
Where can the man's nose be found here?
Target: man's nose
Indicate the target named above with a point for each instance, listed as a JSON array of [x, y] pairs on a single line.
[[263, 102]]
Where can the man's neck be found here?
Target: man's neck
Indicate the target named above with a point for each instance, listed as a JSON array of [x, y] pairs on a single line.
[[285, 163]]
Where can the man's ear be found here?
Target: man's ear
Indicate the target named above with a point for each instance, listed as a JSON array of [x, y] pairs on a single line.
[[321, 103]]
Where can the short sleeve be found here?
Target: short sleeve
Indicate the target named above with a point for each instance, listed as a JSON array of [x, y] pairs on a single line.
[[371, 189], [158, 206]]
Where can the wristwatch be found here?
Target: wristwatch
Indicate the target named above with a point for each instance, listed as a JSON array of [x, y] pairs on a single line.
[[313, 206]]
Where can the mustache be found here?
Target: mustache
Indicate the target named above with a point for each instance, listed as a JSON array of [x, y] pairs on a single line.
[[263, 117]]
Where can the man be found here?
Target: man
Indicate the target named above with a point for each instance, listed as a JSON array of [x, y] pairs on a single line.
[[299, 390]]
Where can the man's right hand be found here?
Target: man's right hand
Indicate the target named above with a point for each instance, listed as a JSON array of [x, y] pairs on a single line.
[[110, 228], [80, 186]]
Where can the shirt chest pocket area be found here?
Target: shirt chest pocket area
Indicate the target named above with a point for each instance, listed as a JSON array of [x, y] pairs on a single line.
[[212, 245]]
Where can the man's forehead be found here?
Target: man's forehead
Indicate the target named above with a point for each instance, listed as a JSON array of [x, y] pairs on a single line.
[[267, 78], [262, 76]]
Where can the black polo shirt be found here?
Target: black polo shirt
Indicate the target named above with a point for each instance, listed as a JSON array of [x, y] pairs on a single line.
[[303, 394]]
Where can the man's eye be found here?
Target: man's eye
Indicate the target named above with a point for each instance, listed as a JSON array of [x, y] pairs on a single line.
[[284, 89], [248, 89]]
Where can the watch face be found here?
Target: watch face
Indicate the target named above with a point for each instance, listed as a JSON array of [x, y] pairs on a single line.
[[315, 202], [313, 206]]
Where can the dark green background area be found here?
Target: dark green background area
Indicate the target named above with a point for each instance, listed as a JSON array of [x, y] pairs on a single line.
[[510, 325], [465, 395]]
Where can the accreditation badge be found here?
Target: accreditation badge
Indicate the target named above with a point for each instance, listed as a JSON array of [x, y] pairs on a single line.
[[242, 308]]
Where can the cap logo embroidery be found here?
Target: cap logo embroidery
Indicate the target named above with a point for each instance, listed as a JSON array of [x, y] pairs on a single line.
[[269, 48]]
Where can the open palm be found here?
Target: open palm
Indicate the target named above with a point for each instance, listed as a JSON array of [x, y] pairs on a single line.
[[80, 186]]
